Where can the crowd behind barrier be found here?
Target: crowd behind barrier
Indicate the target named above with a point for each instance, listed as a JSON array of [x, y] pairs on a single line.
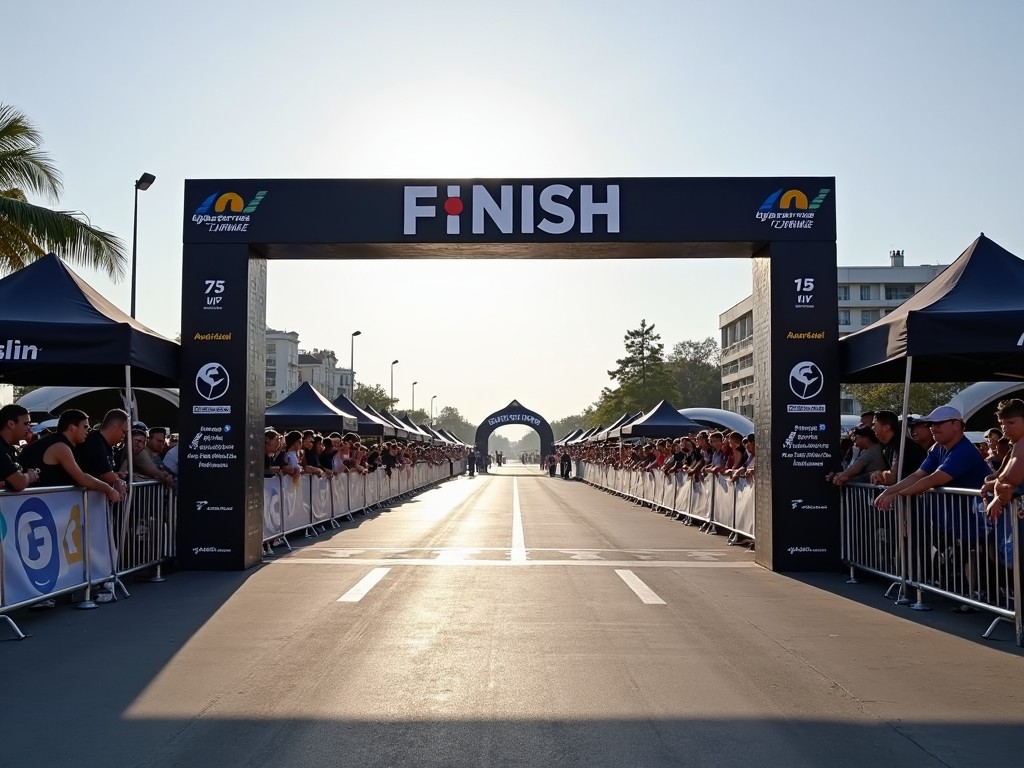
[[939, 543], [62, 540], [716, 502]]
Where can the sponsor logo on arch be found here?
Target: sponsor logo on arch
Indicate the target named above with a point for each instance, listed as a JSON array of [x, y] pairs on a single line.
[[227, 211], [791, 208]]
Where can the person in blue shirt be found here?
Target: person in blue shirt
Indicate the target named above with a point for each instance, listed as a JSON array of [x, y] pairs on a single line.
[[953, 462]]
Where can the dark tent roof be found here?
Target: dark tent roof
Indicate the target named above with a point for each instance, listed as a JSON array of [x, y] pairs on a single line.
[[663, 420], [400, 430], [452, 436], [305, 408], [434, 433], [369, 425], [617, 431], [965, 325], [570, 436], [413, 429], [580, 438], [58, 330], [605, 433]]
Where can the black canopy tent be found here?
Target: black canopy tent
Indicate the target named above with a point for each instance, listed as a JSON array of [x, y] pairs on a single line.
[[434, 433], [663, 420], [401, 431], [452, 436], [414, 430], [369, 425], [612, 430], [570, 436], [306, 408], [584, 435], [61, 331], [965, 325], [58, 330]]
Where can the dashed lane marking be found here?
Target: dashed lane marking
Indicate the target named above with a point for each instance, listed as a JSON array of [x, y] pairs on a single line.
[[368, 582], [646, 594]]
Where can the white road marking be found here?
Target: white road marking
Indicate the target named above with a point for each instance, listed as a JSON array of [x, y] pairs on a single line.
[[368, 582], [645, 593], [518, 542], [683, 564]]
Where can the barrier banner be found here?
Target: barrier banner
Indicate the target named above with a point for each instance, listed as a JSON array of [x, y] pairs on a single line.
[[725, 500], [701, 499], [356, 491], [43, 547], [294, 502], [273, 523], [372, 488], [744, 522], [339, 496], [684, 494], [320, 499]]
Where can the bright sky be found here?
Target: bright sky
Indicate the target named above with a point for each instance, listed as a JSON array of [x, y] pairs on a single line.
[[915, 107]]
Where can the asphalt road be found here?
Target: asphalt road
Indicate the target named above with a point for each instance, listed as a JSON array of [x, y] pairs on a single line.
[[504, 620]]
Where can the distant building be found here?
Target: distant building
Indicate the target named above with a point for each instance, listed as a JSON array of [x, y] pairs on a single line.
[[282, 364], [866, 294], [320, 369]]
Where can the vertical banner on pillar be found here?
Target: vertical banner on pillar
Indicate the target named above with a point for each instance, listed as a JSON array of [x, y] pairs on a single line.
[[222, 400], [796, 359]]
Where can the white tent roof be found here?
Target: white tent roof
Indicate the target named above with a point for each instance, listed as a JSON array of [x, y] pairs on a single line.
[[50, 398]]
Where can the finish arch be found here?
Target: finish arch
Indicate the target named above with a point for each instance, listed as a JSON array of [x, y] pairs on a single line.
[[515, 413]]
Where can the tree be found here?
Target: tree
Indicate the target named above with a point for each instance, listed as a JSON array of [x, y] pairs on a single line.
[[695, 366], [643, 376], [28, 231], [924, 397], [449, 418], [375, 396]]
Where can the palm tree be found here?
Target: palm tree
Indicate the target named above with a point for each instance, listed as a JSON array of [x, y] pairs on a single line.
[[29, 231]]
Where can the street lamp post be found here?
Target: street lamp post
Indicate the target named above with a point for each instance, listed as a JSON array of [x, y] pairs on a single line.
[[352, 364], [413, 408], [432, 398], [145, 181], [393, 364]]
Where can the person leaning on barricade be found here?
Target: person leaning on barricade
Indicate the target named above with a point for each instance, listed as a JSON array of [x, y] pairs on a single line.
[[15, 425], [1006, 489], [869, 460], [954, 462], [95, 454], [142, 463], [886, 426], [52, 457]]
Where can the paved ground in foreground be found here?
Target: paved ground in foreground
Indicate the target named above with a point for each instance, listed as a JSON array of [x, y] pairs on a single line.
[[509, 619]]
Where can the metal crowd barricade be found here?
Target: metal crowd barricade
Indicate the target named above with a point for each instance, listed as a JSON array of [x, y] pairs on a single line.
[[63, 539], [715, 501], [939, 543], [148, 536]]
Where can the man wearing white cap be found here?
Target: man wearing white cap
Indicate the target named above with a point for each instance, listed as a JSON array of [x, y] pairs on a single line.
[[953, 462]]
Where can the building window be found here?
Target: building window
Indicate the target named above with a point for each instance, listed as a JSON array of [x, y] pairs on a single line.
[[844, 293], [868, 316], [898, 292], [271, 378], [865, 293], [844, 317]]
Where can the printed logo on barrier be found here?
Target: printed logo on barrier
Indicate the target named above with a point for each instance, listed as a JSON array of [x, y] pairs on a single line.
[[518, 209], [227, 212], [13, 349], [36, 543], [790, 209], [72, 540]]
